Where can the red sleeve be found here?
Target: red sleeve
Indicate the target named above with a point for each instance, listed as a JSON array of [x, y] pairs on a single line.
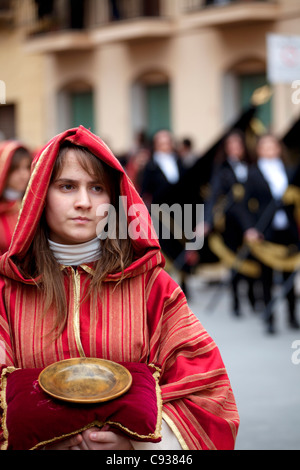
[[6, 354], [198, 401]]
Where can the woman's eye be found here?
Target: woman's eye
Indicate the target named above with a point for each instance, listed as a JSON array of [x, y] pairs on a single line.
[[97, 189], [66, 187]]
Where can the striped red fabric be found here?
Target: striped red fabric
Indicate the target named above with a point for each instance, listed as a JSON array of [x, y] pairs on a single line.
[[144, 318]]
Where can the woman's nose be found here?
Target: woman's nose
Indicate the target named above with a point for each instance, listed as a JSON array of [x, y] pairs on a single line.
[[24, 174], [83, 199]]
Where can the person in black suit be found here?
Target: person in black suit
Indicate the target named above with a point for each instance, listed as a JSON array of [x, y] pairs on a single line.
[[266, 217], [160, 179], [220, 209], [163, 171]]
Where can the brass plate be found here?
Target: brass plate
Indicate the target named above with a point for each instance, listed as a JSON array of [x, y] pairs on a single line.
[[85, 380]]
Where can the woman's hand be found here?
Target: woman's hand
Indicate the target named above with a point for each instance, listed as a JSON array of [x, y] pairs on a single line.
[[72, 443], [252, 235], [104, 439], [202, 229], [94, 439]]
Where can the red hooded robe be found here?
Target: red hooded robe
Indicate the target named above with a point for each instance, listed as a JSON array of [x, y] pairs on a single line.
[[145, 318], [9, 210]]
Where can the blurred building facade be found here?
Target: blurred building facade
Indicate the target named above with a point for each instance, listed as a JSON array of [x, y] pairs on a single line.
[[124, 66]]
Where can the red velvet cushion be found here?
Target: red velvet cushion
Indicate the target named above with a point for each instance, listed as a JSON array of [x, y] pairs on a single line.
[[31, 418]]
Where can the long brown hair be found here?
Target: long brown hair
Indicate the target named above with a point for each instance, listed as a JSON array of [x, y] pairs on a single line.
[[19, 155], [221, 155], [283, 151], [116, 253]]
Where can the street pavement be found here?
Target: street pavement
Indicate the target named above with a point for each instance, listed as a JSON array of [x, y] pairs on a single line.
[[262, 368]]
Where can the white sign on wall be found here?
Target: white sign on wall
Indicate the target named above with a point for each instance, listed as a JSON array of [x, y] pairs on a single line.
[[283, 58], [2, 92]]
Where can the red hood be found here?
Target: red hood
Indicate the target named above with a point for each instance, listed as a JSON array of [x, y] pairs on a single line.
[[147, 250], [7, 151]]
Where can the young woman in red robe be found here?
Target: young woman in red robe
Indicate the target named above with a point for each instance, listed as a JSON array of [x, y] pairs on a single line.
[[68, 290], [15, 162]]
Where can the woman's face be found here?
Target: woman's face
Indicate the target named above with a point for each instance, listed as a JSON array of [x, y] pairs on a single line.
[[268, 147], [72, 202], [163, 142], [19, 177], [234, 147]]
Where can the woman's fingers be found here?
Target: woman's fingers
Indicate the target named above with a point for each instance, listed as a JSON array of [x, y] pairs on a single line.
[[67, 444], [106, 440]]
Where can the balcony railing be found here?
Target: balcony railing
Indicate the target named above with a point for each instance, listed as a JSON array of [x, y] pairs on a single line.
[[5, 5], [221, 13], [44, 16], [189, 6], [40, 17], [6, 11]]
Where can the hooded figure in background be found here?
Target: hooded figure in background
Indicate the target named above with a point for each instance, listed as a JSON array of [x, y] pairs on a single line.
[[67, 290], [15, 162]]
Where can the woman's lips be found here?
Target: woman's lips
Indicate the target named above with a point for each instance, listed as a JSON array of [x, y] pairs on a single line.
[[81, 220]]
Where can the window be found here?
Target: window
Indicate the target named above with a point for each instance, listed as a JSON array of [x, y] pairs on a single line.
[[5, 5], [248, 85], [151, 104], [82, 109], [7, 122], [239, 85], [75, 107]]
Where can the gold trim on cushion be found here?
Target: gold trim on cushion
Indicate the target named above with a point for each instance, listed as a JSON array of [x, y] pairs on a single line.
[[65, 436], [175, 430], [3, 404], [156, 376], [155, 435]]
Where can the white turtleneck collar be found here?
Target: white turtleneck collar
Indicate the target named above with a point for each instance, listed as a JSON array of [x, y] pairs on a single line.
[[12, 195], [75, 255]]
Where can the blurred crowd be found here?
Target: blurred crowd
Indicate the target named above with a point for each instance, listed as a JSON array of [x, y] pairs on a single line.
[[251, 208], [251, 211]]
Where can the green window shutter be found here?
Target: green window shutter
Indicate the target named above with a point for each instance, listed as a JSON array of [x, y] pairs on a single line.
[[82, 109], [158, 108], [249, 83]]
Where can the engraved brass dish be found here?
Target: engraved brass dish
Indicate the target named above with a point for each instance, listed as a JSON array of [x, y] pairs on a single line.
[[85, 380]]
